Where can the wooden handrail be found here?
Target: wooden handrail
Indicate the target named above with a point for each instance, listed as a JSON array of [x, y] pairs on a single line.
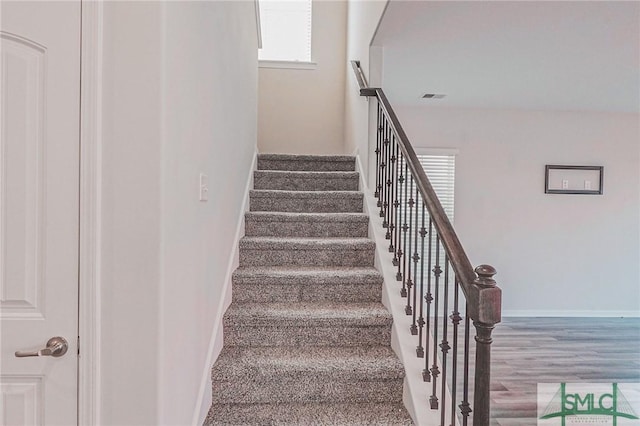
[[365, 90], [483, 296], [484, 302]]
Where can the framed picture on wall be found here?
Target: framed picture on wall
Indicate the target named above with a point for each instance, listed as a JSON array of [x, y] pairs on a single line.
[[573, 180]]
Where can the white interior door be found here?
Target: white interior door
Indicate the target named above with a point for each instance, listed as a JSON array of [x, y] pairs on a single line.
[[39, 168]]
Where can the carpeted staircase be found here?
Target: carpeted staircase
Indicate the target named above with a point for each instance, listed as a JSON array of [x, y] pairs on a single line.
[[306, 338]]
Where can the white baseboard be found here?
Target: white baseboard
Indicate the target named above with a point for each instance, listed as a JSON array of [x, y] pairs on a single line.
[[569, 313], [215, 343]]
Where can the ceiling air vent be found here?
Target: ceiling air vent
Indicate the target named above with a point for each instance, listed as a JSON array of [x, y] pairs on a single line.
[[432, 96]]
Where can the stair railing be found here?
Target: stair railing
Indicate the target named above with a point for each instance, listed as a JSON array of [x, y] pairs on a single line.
[[433, 267]]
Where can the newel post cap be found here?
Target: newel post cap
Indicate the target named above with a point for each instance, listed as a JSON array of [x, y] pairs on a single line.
[[485, 276]]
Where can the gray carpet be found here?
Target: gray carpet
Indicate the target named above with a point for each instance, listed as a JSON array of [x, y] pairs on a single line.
[[306, 338]]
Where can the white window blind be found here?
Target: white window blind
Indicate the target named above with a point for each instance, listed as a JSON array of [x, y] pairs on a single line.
[[441, 171], [286, 30]]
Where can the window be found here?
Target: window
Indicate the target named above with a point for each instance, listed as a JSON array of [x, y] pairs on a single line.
[[286, 30], [440, 166], [441, 171]]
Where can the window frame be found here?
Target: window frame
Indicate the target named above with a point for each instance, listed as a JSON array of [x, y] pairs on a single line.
[[296, 65], [286, 64]]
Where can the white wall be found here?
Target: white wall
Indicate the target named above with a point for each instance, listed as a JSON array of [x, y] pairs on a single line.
[[131, 222], [210, 124], [363, 18], [555, 254], [180, 84], [302, 111]]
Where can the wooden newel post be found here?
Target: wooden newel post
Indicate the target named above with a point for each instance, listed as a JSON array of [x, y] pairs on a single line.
[[489, 312]]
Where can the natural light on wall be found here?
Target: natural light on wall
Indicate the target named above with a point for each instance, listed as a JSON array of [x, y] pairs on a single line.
[[286, 30]]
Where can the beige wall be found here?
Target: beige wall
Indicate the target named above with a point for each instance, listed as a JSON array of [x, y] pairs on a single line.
[[302, 111], [555, 254], [180, 98]]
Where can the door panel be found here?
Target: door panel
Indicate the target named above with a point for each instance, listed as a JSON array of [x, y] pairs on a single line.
[[23, 79], [39, 169]]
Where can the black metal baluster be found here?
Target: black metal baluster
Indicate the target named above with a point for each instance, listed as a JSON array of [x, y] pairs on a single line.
[[444, 345], [383, 165], [455, 320], [416, 259], [396, 200], [387, 182], [465, 407], [423, 234], [410, 203], [392, 200], [387, 198], [405, 228], [378, 151], [398, 254], [426, 374], [435, 372]]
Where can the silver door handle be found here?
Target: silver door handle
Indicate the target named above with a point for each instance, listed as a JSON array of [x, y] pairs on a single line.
[[56, 347]]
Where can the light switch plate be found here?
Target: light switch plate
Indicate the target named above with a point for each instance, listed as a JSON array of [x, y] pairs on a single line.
[[204, 187]]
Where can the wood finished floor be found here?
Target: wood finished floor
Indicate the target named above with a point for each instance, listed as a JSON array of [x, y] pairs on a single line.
[[528, 351]]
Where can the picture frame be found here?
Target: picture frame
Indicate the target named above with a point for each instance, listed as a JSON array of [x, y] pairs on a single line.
[[585, 180]]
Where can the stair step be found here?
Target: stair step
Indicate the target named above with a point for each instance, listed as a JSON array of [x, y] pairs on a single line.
[[294, 375], [282, 284], [287, 224], [306, 162], [274, 251], [305, 181], [306, 201], [310, 324], [306, 337], [363, 414]]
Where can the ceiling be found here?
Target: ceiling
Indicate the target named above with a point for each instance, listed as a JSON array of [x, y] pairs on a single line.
[[542, 55]]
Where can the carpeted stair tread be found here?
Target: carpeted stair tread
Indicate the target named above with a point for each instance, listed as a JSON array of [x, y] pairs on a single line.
[[337, 363], [262, 275], [305, 389], [305, 180], [304, 315], [306, 162], [306, 224], [306, 201], [268, 193], [268, 216], [304, 243], [299, 284], [306, 157], [276, 251], [306, 339], [368, 373], [308, 174], [353, 414]]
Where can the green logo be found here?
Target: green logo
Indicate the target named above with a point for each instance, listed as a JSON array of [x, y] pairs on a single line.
[[590, 402]]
